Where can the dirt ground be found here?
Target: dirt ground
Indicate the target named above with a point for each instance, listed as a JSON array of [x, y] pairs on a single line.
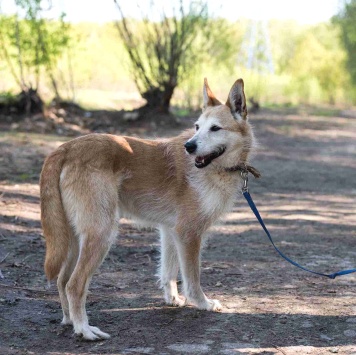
[[307, 196]]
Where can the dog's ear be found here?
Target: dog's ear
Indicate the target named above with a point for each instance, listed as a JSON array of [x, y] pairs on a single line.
[[209, 98], [237, 100]]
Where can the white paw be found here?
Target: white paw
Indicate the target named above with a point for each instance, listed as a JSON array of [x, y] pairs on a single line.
[[99, 333], [92, 333], [214, 305], [210, 305], [206, 304], [177, 301]]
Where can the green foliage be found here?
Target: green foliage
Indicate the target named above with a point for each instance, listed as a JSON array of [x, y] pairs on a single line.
[[215, 58], [7, 98], [32, 44], [311, 64], [346, 20], [284, 37], [318, 60]]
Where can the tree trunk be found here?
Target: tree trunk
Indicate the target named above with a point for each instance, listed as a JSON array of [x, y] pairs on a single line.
[[55, 87], [159, 100], [331, 99], [29, 102]]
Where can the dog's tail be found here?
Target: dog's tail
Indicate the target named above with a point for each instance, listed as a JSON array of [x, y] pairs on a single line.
[[55, 225]]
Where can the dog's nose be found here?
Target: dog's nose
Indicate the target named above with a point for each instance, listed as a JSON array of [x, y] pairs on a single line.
[[190, 147]]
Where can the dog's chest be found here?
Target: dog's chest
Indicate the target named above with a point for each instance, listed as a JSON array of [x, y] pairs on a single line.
[[217, 195]]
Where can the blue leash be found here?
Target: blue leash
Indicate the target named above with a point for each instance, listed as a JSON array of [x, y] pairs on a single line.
[[259, 218]]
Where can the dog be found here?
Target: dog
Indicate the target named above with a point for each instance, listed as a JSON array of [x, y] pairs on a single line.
[[180, 185]]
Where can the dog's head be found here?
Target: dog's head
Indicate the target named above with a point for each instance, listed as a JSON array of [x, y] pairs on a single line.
[[223, 136]]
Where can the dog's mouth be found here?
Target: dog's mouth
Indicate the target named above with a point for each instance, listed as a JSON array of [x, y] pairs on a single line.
[[205, 160]]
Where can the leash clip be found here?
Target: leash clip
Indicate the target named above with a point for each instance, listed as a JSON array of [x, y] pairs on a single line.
[[244, 175]]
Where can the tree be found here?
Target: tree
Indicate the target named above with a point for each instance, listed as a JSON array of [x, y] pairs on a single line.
[[30, 44], [346, 20], [165, 51]]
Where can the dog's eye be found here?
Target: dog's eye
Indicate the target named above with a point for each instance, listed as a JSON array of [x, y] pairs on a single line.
[[196, 127], [215, 128]]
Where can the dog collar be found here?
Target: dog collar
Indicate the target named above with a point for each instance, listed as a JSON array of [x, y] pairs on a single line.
[[244, 168]]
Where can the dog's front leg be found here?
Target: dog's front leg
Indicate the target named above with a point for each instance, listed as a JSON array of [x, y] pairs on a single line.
[[188, 247]]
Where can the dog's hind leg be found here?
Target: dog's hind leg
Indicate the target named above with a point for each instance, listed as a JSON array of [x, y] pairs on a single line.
[[90, 201], [64, 276], [93, 249], [168, 268]]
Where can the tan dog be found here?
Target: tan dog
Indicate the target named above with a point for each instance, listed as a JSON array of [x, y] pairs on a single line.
[[180, 185]]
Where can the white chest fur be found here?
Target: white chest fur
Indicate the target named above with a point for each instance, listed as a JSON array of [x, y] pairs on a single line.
[[217, 192]]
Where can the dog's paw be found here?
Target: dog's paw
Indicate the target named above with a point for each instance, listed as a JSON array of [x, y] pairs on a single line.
[[211, 305], [92, 333], [207, 304], [176, 301], [214, 305]]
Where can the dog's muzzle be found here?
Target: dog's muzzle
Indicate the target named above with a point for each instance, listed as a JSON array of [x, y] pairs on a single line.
[[205, 160]]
